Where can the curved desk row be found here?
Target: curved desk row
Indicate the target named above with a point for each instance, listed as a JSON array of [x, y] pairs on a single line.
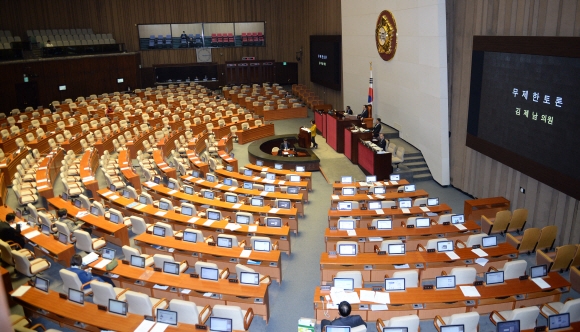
[[363, 187], [390, 196], [47, 171], [181, 221], [365, 217], [87, 170], [303, 185]]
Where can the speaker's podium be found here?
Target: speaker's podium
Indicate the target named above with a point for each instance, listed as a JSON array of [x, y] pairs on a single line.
[[304, 138]]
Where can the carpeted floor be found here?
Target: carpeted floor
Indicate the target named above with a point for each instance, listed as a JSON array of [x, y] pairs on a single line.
[[301, 271]]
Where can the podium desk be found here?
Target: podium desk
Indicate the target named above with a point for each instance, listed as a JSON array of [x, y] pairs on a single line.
[[181, 221], [374, 163], [351, 139], [365, 217], [363, 187], [304, 138], [47, 171], [184, 287], [514, 293], [335, 126], [114, 233], [47, 245], [269, 263], [49, 305], [389, 196], [429, 265], [367, 239]]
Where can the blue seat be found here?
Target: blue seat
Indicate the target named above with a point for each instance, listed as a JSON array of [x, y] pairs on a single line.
[[168, 41], [151, 43]]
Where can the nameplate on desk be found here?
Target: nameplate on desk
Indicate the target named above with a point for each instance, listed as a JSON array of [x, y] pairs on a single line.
[[62, 296], [371, 228], [233, 280], [333, 228], [157, 269], [377, 288], [368, 267], [540, 329], [102, 307], [478, 283], [213, 244], [324, 287], [124, 261], [410, 226], [258, 300], [524, 277], [446, 223], [200, 327], [381, 252], [393, 207], [430, 250], [332, 253], [476, 246], [427, 287], [194, 275]]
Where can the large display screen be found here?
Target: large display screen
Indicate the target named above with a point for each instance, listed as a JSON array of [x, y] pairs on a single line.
[[325, 61], [524, 107]]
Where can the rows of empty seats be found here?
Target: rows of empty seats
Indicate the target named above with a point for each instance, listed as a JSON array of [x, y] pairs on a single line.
[[6, 39], [66, 37]]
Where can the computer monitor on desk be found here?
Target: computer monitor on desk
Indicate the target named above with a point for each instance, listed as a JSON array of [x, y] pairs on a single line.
[[231, 198], [257, 201], [273, 222], [278, 166], [433, 201], [300, 168], [344, 206], [396, 249], [538, 271], [452, 328], [346, 179], [250, 278], [445, 282], [41, 284], [167, 317], [394, 284], [330, 328], [137, 261], [559, 321], [395, 177], [384, 223], [457, 219], [375, 205], [76, 296], [395, 329], [347, 249], [348, 191], [108, 253], [422, 222], [270, 188], [118, 307], [494, 278], [218, 324], [346, 284], [346, 224], [371, 178], [294, 178], [189, 236], [209, 273], [171, 268], [158, 231], [242, 219], [248, 172], [443, 246], [409, 188], [508, 326], [405, 203], [379, 190]]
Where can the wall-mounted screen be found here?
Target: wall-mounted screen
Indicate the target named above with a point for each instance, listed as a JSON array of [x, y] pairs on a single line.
[[325, 61]]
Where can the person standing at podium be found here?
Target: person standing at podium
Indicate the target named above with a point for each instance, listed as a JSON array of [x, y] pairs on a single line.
[[377, 128], [313, 134]]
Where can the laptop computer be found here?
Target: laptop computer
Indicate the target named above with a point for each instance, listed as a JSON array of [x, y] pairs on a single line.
[[346, 224], [452, 328], [560, 321], [443, 246], [445, 282], [108, 253], [167, 317], [346, 249], [249, 278], [489, 241], [494, 278], [346, 284], [508, 326], [394, 284], [396, 249], [218, 324], [209, 273], [137, 261], [118, 307], [384, 224]]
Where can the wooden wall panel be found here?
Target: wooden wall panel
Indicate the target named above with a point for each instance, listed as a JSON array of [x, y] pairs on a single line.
[[288, 25], [472, 171]]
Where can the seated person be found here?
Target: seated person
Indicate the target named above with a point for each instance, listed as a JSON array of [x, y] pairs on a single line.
[[348, 111], [285, 146], [62, 217], [7, 233], [75, 266], [344, 319], [382, 142], [377, 128], [365, 113]]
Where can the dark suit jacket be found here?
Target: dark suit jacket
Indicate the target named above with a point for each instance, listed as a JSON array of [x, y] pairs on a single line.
[[286, 146], [348, 111], [377, 130], [364, 114], [352, 321], [383, 144], [8, 233]]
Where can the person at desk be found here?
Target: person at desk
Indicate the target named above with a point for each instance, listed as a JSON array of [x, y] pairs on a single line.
[[48, 44], [383, 143], [61, 214], [7, 233], [75, 266], [285, 146], [377, 128], [365, 113], [348, 111], [344, 319], [313, 134]]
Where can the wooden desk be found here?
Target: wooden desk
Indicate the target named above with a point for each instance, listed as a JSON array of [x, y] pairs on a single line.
[[47, 245], [307, 176], [48, 170], [410, 236], [364, 217], [335, 126], [125, 164], [254, 133], [224, 292], [170, 172], [374, 163], [270, 263], [66, 313], [222, 173], [496, 297], [363, 187], [114, 233], [390, 196], [429, 265], [351, 140], [8, 165], [289, 113], [475, 208], [87, 168], [228, 209], [181, 222]]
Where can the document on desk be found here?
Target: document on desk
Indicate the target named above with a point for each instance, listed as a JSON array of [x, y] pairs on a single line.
[[81, 214], [274, 210], [160, 213], [45, 180], [370, 196], [208, 222], [199, 181], [395, 182], [132, 205], [479, 252], [171, 192], [470, 291], [264, 193], [150, 184], [236, 206], [233, 188], [159, 327], [367, 296], [425, 209], [208, 294], [264, 169], [162, 287], [102, 263], [232, 226], [379, 307], [281, 182], [140, 206], [401, 266], [88, 178], [335, 197], [339, 295], [460, 227], [380, 211], [452, 255], [23, 226], [375, 239], [541, 283], [406, 211], [481, 261], [145, 326], [268, 181], [192, 220], [114, 197], [21, 290], [380, 196], [245, 253], [256, 178], [219, 185], [189, 178], [185, 291], [363, 184], [351, 232], [107, 193], [88, 259], [32, 234], [382, 297], [252, 229]]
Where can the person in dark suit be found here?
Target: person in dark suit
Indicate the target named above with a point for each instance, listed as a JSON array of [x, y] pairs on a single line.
[[85, 276], [344, 319], [348, 111], [285, 145], [7, 233], [377, 128], [365, 113], [382, 142]]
